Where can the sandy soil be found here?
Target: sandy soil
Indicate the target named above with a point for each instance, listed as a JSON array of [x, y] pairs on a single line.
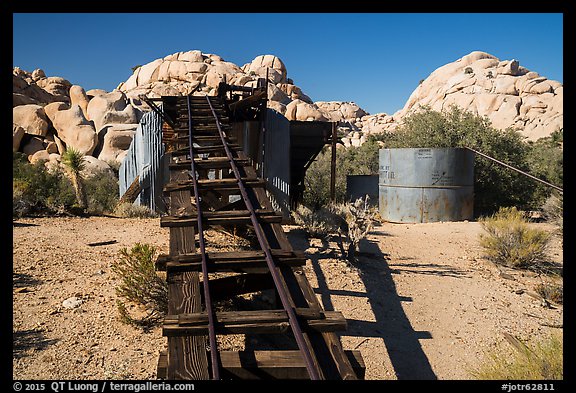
[[421, 303]]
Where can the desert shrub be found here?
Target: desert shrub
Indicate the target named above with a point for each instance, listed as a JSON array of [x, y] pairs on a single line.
[[542, 362], [129, 210], [317, 223], [551, 291], [102, 191], [553, 211], [545, 160], [358, 218], [38, 191], [510, 241], [140, 285], [350, 222]]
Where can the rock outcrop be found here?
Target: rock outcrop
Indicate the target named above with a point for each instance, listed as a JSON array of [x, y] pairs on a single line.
[[49, 113], [72, 127], [199, 73], [31, 118], [504, 91]]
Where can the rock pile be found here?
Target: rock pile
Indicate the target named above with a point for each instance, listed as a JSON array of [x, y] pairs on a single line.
[[507, 93], [49, 113]]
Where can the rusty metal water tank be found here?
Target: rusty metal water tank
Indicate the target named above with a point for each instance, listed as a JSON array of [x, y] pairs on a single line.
[[418, 185]]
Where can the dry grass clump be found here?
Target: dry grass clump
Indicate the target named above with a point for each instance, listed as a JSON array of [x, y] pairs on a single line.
[[510, 241], [543, 361], [129, 210]]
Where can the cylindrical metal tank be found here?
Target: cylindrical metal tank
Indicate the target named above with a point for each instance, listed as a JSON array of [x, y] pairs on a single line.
[[426, 184]]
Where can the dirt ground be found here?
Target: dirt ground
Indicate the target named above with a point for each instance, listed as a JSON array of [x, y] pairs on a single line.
[[421, 303]]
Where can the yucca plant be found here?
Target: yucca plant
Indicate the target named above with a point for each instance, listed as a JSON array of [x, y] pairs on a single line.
[[74, 163]]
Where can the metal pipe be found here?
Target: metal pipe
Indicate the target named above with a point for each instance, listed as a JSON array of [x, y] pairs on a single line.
[[310, 366], [205, 280], [517, 170]]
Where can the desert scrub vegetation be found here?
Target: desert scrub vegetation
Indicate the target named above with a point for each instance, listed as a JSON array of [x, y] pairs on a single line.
[[140, 285], [129, 210], [494, 186], [541, 361], [347, 222], [358, 219], [319, 223], [39, 191], [510, 241]]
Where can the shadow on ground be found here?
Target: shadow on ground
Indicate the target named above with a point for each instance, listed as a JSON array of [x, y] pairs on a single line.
[[20, 280], [392, 325], [24, 340]]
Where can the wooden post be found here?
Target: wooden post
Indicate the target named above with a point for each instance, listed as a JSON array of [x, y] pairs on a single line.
[[132, 192], [333, 165]]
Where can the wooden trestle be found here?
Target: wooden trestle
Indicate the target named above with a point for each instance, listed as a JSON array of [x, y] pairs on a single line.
[[205, 122]]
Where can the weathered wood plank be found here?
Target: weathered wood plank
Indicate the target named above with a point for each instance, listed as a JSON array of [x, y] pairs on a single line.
[[255, 322], [281, 364], [187, 357], [208, 163], [226, 217], [227, 261], [213, 184], [131, 193]]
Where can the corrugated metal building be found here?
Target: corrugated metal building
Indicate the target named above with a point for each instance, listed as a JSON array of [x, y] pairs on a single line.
[[144, 158], [281, 155]]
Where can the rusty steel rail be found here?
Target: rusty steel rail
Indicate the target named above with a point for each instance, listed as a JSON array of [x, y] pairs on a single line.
[[294, 324], [205, 279]]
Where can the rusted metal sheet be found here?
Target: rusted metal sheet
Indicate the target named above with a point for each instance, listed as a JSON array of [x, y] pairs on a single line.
[[426, 184]]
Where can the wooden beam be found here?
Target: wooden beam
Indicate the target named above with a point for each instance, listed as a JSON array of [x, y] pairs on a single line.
[[226, 217], [208, 163], [282, 364], [187, 357], [227, 261], [252, 322], [132, 192], [213, 184]]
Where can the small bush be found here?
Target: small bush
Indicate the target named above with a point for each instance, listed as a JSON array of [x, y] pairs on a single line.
[[551, 291], [38, 191], [129, 210], [544, 362], [102, 191], [553, 211], [359, 219], [140, 285], [511, 242], [317, 223]]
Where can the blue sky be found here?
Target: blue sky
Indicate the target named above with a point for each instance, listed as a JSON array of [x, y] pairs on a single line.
[[373, 59]]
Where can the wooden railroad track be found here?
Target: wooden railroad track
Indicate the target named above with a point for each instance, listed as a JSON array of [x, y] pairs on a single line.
[[206, 167]]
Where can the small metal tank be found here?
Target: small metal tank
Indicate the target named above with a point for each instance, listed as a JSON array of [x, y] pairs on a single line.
[[418, 185]]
